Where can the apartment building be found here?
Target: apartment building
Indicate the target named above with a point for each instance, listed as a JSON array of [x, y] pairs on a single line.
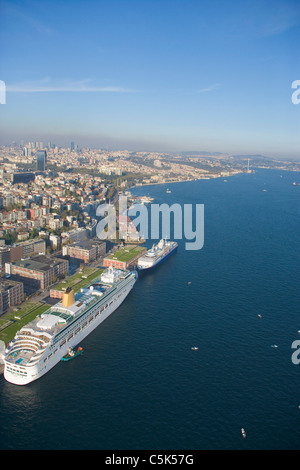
[[86, 250], [39, 271], [11, 293], [12, 253]]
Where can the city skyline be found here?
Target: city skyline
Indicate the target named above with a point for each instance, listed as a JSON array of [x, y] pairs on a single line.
[[157, 76]]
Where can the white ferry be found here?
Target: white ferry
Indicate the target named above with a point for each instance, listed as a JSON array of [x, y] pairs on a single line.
[[41, 344], [158, 253]]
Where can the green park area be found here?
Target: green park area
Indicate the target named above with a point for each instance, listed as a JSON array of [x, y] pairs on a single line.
[[127, 253], [19, 316], [78, 280]]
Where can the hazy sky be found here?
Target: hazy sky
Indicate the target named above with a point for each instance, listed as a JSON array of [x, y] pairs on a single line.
[[152, 74]]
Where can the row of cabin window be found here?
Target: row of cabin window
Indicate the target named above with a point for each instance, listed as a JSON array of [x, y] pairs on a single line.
[[85, 324]]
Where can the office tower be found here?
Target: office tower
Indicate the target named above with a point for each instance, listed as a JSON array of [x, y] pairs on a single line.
[[41, 159], [21, 177]]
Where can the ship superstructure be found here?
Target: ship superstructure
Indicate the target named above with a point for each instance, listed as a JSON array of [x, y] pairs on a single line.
[[41, 344], [157, 254]]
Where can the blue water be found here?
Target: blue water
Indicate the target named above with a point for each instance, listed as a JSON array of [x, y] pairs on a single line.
[[139, 385]]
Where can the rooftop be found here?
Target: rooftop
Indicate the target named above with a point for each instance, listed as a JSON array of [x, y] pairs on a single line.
[[127, 253], [6, 284], [87, 244], [38, 263]]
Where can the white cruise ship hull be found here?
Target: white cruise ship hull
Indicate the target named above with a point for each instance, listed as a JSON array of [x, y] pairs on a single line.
[[147, 263], [22, 375]]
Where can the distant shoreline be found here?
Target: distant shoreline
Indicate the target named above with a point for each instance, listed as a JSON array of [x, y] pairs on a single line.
[[210, 178], [184, 181]]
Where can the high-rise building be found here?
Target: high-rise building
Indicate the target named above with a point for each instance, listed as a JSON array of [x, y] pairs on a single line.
[[21, 177], [41, 160]]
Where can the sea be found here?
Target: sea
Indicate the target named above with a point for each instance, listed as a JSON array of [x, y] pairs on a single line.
[[139, 384]]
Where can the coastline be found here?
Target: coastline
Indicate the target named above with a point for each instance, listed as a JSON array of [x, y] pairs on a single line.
[[185, 181], [210, 177], [153, 321]]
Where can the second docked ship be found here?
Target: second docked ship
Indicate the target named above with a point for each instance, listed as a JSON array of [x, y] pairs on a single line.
[[158, 253]]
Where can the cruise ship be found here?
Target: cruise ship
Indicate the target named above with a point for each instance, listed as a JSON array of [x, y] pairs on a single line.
[[157, 254], [42, 343]]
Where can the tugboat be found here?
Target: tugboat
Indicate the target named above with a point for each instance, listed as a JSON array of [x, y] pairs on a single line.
[[71, 354]]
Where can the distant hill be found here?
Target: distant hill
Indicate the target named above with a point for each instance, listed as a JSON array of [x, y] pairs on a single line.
[[253, 157], [191, 153]]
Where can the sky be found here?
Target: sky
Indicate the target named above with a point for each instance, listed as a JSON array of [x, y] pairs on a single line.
[[152, 75]]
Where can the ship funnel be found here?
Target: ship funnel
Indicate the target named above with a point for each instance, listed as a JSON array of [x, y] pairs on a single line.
[[68, 297]]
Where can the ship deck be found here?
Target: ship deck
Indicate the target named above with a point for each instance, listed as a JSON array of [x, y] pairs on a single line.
[[159, 253], [33, 337], [20, 357], [31, 332]]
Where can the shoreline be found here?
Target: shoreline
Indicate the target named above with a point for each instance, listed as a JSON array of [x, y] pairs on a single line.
[[184, 181], [209, 178]]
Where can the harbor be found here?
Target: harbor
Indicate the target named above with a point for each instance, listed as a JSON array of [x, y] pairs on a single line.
[[136, 368], [40, 344], [31, 353]]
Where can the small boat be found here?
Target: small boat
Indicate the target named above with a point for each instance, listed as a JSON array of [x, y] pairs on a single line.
[[294, 183], [71, 354], [189, 282], [243, 432], [259, 315], [274, 346], [194, 348]]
